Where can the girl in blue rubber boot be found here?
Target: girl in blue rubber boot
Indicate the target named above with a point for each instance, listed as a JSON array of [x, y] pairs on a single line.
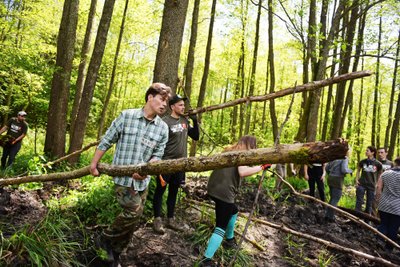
[[223, 187]]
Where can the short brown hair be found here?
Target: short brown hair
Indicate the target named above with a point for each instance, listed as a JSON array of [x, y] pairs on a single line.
[[397, 161], [158, 89]]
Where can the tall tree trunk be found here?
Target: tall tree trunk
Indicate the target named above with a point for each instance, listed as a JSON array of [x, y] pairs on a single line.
[[240, 69], [80, 81], [319, 75], [374, 134], [58, 106], [359, 140], [395, 127], [170, 43], [203, 85], [310, 54], [192, 48], [253, 67], [345, 53], [329, 99], [392, 94], [91, 79], [113, 73], [349, 97], [271, 64]]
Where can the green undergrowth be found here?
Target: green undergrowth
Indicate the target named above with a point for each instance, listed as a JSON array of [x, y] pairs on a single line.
[[53, 241]]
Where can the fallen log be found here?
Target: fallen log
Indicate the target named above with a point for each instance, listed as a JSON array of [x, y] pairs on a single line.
[[295, 153], [284, 92], [362, 215]]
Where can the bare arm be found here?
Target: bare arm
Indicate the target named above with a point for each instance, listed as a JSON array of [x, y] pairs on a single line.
[[306, 172], [98, 154], [247, 171], [3, 129], [379, 187], [358, 175], [18, 139]]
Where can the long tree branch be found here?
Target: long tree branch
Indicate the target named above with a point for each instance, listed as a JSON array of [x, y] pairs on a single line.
[[296, 153], [300, 88]]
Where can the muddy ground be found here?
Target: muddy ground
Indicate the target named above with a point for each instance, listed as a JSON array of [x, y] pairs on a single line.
[[177, 249]]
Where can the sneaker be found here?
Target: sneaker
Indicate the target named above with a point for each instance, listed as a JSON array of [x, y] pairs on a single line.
[[229, 244], [157, 226], [172, 224], [206, 262]]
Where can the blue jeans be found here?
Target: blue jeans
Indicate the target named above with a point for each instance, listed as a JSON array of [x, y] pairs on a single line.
[[360, 192], [389, 226], [335, 195]]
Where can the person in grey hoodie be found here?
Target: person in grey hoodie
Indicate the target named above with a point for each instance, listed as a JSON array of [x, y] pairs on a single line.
[[336, 171]]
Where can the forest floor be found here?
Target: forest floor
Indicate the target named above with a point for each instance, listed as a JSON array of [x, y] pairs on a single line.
[[179, 249]]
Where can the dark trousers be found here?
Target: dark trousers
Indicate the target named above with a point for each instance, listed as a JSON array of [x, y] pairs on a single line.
[[174, 181], [312, 180], [389, 226], [223, 212], [360, 192], [9, 151]]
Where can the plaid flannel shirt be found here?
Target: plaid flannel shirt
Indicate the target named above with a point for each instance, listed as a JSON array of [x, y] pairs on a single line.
[[138, 140]]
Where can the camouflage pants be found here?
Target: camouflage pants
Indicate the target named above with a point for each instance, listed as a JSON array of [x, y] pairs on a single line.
[[119, 233]]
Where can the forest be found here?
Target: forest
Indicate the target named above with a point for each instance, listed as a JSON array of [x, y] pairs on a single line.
[[286, 72]]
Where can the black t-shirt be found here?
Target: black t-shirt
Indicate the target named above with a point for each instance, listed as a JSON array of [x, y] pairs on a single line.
[[16, 128], [177, 139], [370, 170]]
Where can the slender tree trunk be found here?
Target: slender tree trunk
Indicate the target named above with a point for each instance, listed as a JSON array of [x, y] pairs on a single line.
[[240, 70], [271, 63], [80, 81], [395, 127], [57, 116], [374, 134], [329, 99], [113, 73], [349, 98], [359, 139], [170, 43], [345, 59], [392, 95], [192, 48], [91, 79], [253, 67], [203, 85]]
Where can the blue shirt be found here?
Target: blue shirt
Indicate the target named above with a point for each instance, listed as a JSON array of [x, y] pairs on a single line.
[[138, 140]]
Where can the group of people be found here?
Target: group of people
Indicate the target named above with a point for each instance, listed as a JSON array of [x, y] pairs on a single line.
[[144, 135], [377, 180]]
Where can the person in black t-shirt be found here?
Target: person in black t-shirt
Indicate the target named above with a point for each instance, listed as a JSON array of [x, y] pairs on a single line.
[[16, 128], [179, 130], [370, 170]]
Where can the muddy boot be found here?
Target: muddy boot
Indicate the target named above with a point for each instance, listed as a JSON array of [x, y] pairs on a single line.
[[206, 262], [230, 244], [157, 226], [172, 224], [102, 244]]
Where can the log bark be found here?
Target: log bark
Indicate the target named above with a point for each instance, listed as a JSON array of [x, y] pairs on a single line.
[[296, 89], [293, 153]]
